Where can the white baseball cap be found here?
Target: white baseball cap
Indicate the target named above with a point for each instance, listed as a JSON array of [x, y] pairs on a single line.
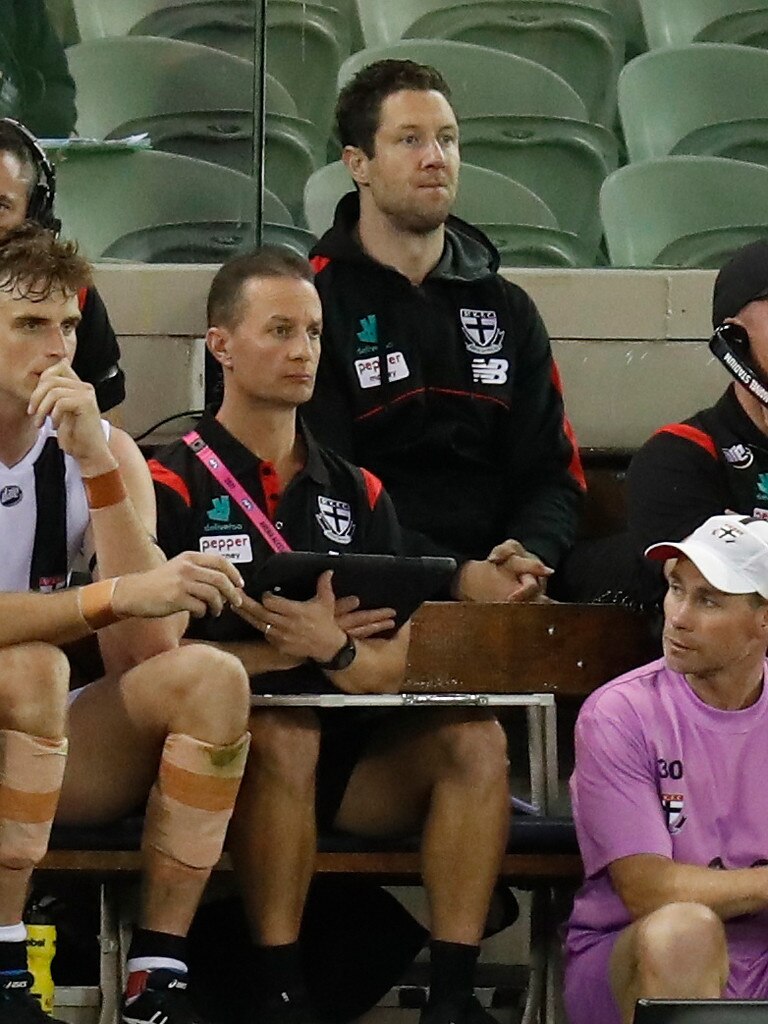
[[730, 552]]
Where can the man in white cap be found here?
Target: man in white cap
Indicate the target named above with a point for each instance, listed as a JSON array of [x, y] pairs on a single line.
[[670, 795]]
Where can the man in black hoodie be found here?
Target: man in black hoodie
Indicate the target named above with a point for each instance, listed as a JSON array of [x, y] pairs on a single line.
[[466, 425]]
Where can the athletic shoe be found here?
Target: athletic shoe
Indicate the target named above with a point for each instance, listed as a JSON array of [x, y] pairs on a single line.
[[162, 1000], [465, 1011], [17, 1004]]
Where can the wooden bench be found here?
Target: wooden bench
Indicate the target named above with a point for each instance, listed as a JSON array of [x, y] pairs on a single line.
[[468, 649]]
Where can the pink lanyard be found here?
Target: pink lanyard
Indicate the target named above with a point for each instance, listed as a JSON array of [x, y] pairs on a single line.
[[217, 469]]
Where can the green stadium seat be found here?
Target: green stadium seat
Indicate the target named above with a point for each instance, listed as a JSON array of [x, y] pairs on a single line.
[[581, 41], [563, 161], [118, 204], [194, 101], [518, 221], [121, 77], [703, 98], [482, 80], [306, 40], [713, 204], [675, 22], [521, 245]]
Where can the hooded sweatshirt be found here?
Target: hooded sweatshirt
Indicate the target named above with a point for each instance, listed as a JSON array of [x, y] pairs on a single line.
[[466, 427]]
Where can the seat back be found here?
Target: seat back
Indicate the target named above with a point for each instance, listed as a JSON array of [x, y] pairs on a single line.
[[647, 206], [685, 98], [483, 197], [583, 44], [482, 80], [125, 78], [563, 161], [103, 196], [687, 21], [306, 39], [525, 245]]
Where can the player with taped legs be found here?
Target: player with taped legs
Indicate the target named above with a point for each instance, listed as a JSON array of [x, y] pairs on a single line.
[[164, 722]]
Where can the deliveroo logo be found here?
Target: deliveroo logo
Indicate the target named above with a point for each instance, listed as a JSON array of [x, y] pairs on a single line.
[[219, 511], [368, 336], [369, 332], [762, 486]]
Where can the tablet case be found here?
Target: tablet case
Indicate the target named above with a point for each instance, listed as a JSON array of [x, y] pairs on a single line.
[[380, 581]]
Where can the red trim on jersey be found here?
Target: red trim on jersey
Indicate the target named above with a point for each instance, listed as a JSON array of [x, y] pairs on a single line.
[[162, 475], [373, 487], [692, 434], [319, 263], [82, 295], [575, 467], [436, 391], [270, 485]]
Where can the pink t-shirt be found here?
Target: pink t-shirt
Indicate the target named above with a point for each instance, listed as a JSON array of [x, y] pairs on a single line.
[[659, 771]]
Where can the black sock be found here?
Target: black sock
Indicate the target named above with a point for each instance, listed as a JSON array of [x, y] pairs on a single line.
[[452, 971], [146, 943], [278, 971], [13, 956]]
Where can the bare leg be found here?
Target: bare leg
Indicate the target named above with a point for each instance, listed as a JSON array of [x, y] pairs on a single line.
[[117, 731], [450, 773], [677, 952], [272, 837], [34, 679]]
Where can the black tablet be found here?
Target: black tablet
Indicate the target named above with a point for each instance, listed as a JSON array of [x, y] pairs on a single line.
[[700, 1011], [380, 581]]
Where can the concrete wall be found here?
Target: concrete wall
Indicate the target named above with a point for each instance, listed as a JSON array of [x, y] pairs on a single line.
[[631, 345]]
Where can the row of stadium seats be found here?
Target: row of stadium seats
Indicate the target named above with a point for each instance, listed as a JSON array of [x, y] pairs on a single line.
[[518, 117]]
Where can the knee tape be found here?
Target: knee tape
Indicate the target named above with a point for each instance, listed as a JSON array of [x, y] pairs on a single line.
[[31, 773], [191, 802]]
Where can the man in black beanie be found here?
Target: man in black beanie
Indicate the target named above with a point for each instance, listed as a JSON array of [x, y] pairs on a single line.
[[713, 462]]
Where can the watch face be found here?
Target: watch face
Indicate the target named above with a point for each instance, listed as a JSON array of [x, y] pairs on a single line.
[[346, 655], [342, 658]]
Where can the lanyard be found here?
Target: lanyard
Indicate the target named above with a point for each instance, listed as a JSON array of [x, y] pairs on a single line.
[[217, 469]]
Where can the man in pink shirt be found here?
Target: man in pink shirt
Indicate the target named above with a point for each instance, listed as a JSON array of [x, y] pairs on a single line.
[[670, 795]]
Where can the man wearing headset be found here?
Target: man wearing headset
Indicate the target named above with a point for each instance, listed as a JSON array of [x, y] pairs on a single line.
[[27, 192], [713, 462]]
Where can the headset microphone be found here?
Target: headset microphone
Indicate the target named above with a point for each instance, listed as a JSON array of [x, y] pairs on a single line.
[[40, 205], [730, 344]]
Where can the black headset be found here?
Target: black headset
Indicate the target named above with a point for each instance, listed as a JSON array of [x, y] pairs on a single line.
[[730, 344], [40, 204]]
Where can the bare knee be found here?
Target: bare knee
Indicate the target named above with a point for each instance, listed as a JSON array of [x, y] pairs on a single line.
[[473, 749], [285, 744], [681, 940], [34, 682], [206, 693]]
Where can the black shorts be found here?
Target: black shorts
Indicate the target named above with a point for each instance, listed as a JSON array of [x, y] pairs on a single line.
[[344, 736]]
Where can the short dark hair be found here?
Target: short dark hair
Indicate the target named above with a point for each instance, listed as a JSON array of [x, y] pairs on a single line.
[[225, 294], [34, 262], [358, 108]]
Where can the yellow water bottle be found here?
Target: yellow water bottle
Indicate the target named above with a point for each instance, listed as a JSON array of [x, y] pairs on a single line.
[[41, 949]]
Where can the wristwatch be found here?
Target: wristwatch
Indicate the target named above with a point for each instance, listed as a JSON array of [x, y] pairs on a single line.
[[343, 658]]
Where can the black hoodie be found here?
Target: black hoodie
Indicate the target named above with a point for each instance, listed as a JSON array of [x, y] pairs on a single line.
[[468, 432]]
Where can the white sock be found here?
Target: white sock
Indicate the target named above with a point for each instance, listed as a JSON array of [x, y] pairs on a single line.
[[13, 932], [151, 963]]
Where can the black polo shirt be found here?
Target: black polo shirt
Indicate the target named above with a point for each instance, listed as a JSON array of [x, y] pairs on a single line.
[[329, 506]]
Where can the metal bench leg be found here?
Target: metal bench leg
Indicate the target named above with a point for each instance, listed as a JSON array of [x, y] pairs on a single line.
[[542, 756], [109, 965], [537, 958]]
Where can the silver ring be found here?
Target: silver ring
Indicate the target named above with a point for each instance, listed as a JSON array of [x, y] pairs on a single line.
[[267, 628]]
